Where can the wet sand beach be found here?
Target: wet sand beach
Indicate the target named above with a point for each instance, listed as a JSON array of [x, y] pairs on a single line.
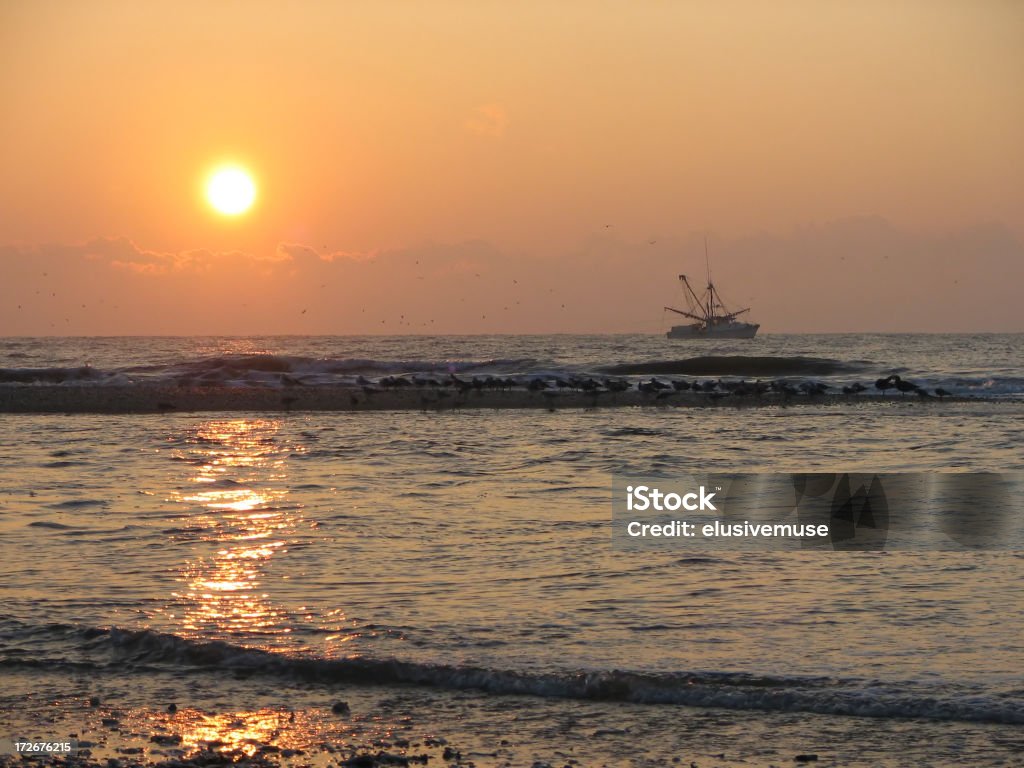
[[218, 720]]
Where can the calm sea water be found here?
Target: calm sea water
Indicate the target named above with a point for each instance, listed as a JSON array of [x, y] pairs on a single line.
[[361, 552]]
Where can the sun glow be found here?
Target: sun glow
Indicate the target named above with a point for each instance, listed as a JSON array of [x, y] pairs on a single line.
[[231, 191]]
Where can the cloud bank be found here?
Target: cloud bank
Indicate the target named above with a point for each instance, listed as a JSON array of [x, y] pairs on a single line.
[[857, 274]]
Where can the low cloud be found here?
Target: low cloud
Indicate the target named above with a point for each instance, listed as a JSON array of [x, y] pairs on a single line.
[[857, 274], [297, 250], [122, 253], [489, 120]]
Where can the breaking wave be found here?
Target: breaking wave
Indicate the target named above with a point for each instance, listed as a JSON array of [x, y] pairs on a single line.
[[278, 371], [141, 651], [261, 369], [739, 365]]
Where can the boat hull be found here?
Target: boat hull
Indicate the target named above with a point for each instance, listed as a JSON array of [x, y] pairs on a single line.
[[716, 331]]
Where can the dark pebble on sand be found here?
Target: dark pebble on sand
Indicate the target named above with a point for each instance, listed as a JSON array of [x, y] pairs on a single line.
[[94, 701], [341, 708], [172, 707], [805, 759], [110, 722], [166, 740]]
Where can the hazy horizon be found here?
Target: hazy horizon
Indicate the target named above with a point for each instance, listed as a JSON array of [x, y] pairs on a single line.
[[466, 168]]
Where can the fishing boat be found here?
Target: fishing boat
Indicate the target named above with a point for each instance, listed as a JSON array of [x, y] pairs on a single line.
[[712, 319]]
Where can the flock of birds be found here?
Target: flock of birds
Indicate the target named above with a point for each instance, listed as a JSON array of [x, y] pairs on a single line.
[[714, 389], [434, 390]]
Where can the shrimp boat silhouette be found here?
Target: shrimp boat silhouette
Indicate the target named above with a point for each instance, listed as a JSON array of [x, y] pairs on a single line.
[[712, 319]]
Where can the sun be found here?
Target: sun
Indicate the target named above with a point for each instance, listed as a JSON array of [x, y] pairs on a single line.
[[231, 190]]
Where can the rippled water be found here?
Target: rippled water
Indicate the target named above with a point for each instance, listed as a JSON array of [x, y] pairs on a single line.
[[471, 551]]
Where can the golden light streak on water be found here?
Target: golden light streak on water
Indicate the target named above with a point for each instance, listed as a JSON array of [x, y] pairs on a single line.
[[247, 512], [239, 733]]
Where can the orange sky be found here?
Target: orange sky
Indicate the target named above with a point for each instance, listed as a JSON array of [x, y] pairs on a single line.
[[452, 166]]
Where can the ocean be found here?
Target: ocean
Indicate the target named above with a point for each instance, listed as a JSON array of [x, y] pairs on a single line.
[[449, 574]]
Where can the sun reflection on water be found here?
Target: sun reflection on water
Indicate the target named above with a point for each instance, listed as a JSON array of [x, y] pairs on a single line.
[[239, 496], [240, 732], [243, 734]]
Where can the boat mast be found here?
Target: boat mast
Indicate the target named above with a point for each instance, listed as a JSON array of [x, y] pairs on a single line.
[[711, 286], [707, 261]]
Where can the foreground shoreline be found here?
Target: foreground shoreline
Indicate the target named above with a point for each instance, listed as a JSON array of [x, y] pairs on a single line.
[[282, 727], [170, 399], [213, 719]]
